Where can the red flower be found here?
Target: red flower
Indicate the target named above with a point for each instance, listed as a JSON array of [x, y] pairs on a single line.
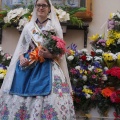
[[115, 96], [115, 71], [93, 53], [83, 57]]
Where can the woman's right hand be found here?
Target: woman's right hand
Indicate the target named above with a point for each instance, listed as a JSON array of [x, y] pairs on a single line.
[[23, 61]]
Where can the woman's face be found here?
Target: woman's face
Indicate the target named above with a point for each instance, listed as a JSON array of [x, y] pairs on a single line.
[[42, 8]]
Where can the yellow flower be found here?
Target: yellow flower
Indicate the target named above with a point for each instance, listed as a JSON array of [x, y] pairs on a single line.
[[87, 91], [111, 15], [83, 71], [99, 70], [94, 37], [110, 41], [118, 57], [107, 57], [117, 35], [3, 72], [72, 52]]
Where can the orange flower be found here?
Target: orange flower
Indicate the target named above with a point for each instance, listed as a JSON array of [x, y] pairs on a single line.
[[107, 92], [35, 57]]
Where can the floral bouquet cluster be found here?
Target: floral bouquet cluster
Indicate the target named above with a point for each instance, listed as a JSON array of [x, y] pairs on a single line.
[[88, 77], [62, 15], [53, 43], [98, 42], [5, 59], [17, 17], [94, 84], [95, 76], [114, 21]]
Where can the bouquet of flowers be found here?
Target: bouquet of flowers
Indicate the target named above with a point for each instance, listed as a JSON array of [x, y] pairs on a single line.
[[98, 42], [53, 43], [5, 59]]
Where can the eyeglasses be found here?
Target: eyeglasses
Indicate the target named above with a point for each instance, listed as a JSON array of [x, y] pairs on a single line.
[[41, 5]]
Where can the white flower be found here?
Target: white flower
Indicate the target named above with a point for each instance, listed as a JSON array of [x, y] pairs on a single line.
[[84, 50], [1, 76], [105, 68], [77, 67], [62, 15], [118, 41], [89, 58], [118, 14], [9, 57], [70, 58], [90, 68], [85, 86], [18, 12], [22, 23], [79, 51], [104, 77], [114, 56], [96, 58], [84, 77], [88, 96], [99, 51], [6, 20]]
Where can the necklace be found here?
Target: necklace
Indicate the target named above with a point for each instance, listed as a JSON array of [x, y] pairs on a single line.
[[41, 23]]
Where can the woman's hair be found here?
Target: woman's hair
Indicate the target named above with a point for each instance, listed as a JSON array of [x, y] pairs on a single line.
[[47, 1]]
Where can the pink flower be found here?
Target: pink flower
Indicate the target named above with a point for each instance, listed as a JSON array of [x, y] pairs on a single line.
[[73, 71], [61, 44], [54, 37], [94, 76]]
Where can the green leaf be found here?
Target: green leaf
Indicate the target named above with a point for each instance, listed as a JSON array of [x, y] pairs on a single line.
[[74, 10], [3, 12]]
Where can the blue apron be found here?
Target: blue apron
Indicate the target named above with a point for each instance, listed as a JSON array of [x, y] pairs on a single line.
[[33, 81]]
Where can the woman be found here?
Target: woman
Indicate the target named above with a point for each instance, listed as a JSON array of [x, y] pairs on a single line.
[[41, 91]]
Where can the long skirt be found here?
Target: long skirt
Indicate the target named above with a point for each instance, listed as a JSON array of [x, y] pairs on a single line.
[[58, 105]]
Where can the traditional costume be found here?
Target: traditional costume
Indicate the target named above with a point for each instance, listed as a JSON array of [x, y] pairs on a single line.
[[41, 91]]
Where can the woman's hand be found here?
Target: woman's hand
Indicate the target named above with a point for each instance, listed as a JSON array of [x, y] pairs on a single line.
[[23, 61], [45, 53]]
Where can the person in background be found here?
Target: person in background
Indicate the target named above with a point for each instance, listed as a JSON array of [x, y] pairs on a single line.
[[41, 91]]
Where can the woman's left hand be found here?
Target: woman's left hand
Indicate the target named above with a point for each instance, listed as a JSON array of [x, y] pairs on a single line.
[[45, 53]]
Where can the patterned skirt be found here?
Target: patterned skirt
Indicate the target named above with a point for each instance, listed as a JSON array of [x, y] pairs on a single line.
[[58, 105]]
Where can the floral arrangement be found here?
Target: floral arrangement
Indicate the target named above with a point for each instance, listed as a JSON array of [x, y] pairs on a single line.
[[88, 77], [18, 17], [95, 76], [53, 43], [5, 59], [94, 84]]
